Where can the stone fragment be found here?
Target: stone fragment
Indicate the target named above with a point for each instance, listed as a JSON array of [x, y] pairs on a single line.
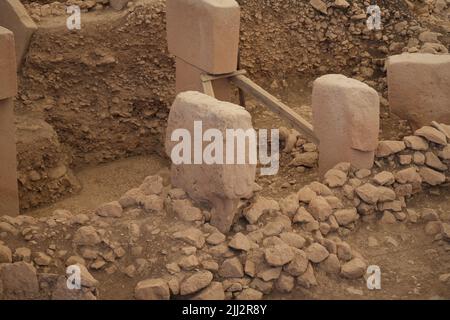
[[432, 135], [432, 177], [354, 269], [346, 216], [193, 28], [386, 148], [335, 178], [111, 210], [319, 208], [231, 268], [278, 255], [316, 253], [191, 236]]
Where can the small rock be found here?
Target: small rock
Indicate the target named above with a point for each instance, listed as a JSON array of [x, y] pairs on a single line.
[[152, 289]]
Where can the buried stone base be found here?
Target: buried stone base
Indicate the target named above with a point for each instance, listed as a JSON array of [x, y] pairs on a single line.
[[222, 185]]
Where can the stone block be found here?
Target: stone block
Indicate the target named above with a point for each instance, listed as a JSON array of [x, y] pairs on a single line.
[[8, 76], [224, 184], [14, 17], [188, 79], [9, 196], [346, 121], [204, 33], [418, 87]]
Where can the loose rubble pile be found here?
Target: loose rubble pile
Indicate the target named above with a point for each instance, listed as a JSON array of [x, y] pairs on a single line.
[[273, 246]]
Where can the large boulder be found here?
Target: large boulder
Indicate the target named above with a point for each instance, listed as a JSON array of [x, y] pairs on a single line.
[[419, 87]]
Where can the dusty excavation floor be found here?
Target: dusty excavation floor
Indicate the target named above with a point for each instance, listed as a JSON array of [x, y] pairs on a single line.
[[411, 262]]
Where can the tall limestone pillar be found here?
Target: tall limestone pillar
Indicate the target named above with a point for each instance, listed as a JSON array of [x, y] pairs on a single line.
[[9, 198]]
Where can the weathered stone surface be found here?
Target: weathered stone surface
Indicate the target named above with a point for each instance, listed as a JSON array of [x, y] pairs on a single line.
[[220, 184], [195, 282], [240, 242], [111, 210], [8, 77], [14, 17], [319, 208], [432, 177], [259, 207], [86, 235], [307, 279], [432, 134], [384, 178], [152, 289], [386, 194], [250, 294], [279, 255], [416, 143], [19, 280], [346, 216], [5, 254], [409, 175], [231, 268], [319, 5], [118, 4], [305, 194], [213, 292], [348, 133], [354, 269], [331, 264], [193, 28], [386, 148], [9, 198], [316, 253], [298, 265], [434, 162], [335, 178], [417, 80], [192, 236], [368, 193], [293, 239]]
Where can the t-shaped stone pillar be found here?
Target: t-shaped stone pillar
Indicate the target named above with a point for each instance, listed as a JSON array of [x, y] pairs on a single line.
[[346, 121], [204, 37], [220, 182], [9, 199]]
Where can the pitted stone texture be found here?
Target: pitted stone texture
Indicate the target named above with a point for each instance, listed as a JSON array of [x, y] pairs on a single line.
[[14, 17], [211, 182], [188, 79], [346, 120], [8, 77], [418, 87], [204, 33]]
